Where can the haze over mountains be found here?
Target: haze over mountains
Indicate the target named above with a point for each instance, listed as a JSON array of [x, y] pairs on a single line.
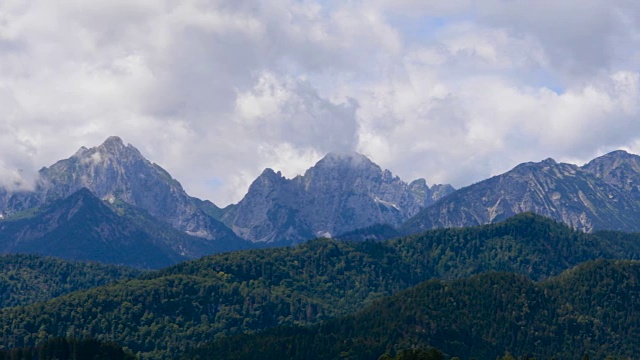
[[132, 203]]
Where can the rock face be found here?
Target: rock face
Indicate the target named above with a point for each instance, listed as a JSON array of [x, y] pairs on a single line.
[[619, 169], [342, 192], [167, 223], [114, 171], [604, 194]]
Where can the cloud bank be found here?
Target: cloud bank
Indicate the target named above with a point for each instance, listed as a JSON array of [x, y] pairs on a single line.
[[215, 91]]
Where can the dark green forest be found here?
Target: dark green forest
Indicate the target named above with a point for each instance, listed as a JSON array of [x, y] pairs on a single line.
[[589, 310], [164, 313], [25, 279], [69, 349]]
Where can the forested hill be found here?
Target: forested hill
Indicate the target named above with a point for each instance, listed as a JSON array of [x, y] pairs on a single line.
[[26, 279], [528, 244], [591, 309], [167, 312]]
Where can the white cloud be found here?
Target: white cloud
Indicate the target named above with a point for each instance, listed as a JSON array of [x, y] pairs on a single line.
[[215, 91]]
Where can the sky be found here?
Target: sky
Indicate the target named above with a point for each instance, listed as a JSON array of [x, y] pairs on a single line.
[[215, 91]]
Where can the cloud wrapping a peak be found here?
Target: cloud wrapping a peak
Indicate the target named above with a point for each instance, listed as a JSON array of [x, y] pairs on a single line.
[[215, 91]]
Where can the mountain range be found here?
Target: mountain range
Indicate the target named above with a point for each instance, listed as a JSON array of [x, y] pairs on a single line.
[[113, 171], [603, 194], [84, 227], [110, 197], [341, 193]]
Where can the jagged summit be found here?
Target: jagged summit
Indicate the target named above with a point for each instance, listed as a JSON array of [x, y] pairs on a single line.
[[615, 158], [113, 170], [345, 158], [618, 168], [113, 141], [537, 165], [270, 173], [340, 193], [113, 147], [604, 194], [618, 153], [344, 164], [108, 170]]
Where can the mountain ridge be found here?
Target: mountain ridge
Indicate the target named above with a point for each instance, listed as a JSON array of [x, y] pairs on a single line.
[[344, 193], [83, 227], [575, 195], [340, 193], [113, 171]]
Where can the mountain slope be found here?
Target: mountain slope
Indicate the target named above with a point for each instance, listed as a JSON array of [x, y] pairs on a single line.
[[26, 279], [619, 169], [83, 227], [586, 310], [186, 305], [341, 193], [117, 172], [577, 196]]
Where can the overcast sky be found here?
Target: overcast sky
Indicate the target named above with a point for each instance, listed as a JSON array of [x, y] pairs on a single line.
[[215, 91]]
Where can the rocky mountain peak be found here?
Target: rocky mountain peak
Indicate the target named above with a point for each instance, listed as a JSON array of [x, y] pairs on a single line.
[[113, 142], [107, 170], [112, 153], [617, 168], [544, 168], [340, 193], [603, 194], [548, 161], [419, 183], [619, 154], [115, 148], [352, 160], [608, 162], [419, 187], [113, 171], [271, 174], [267, 182], [344, 170]]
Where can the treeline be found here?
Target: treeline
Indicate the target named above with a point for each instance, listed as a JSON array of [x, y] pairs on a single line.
[[164, 313], [69, 349], [591, 311], [25, 279]]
